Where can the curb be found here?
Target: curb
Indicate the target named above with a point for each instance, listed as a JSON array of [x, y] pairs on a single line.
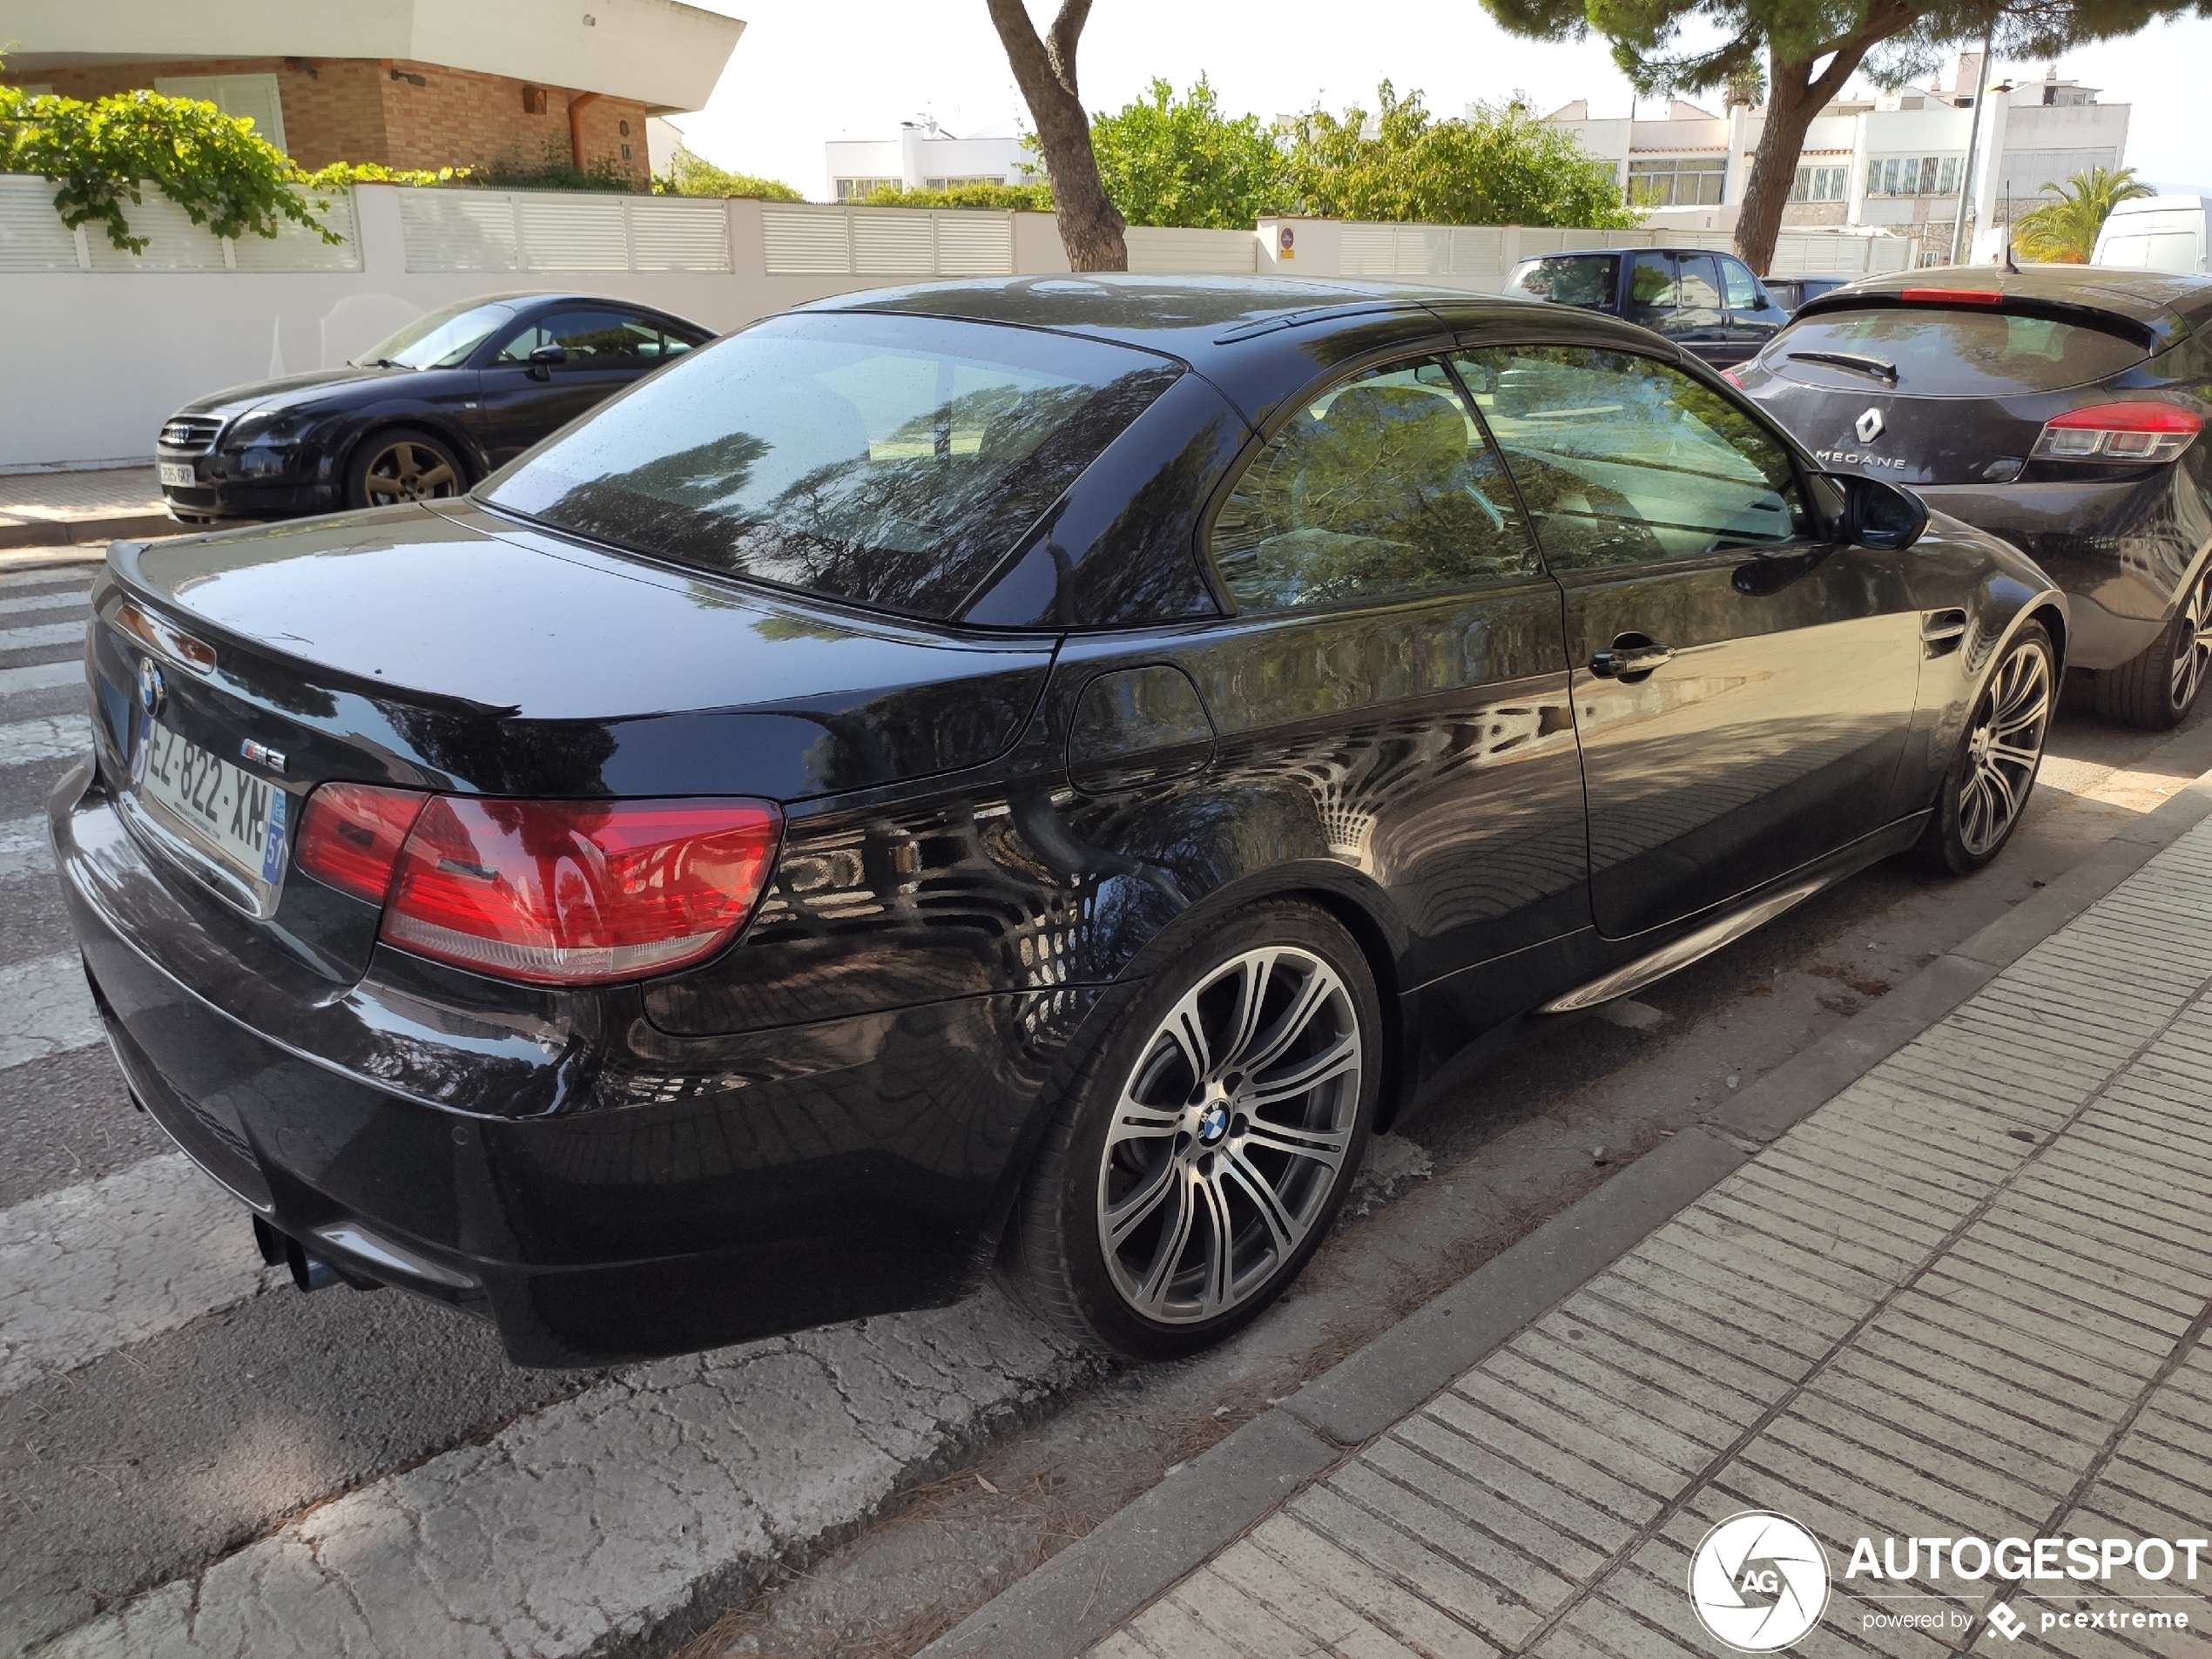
[[24, 564], [65, 532], [1083, 1594]]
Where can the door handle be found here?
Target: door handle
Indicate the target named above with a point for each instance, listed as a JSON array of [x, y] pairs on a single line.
[[1632, 656]]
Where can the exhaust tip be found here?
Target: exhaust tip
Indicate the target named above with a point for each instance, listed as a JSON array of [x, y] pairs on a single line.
[[309, 1272]]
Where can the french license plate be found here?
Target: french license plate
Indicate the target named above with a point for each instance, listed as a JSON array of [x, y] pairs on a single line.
[[226, 810], [179, 473]]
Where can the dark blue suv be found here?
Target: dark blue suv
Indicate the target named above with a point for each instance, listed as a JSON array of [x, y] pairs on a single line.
[[1706, 302]]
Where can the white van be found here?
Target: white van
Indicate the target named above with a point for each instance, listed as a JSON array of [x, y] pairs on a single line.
[[2158, 234]]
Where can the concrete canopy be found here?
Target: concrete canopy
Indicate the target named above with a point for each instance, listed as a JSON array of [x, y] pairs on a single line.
[[665, 54]]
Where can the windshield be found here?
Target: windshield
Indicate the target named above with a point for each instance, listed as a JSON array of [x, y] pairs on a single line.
[[1947, 354], [443, 340], [891, 461]]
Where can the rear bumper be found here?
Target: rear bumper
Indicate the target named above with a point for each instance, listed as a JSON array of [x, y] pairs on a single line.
[[681, 1193], [2120, 550]]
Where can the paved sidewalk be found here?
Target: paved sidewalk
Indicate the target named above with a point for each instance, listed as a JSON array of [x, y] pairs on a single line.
[[54, 509], [1964, 1299]]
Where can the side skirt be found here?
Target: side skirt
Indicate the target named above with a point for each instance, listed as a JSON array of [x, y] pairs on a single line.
[[1701, 941]]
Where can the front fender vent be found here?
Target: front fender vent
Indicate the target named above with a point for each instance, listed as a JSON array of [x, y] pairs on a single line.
[[1941, 631]]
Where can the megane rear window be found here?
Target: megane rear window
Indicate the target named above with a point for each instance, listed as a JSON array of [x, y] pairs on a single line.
[[889, 461], [1950, 354]]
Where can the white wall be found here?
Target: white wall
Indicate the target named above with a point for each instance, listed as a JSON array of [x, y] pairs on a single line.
[[115, 343], [97, 347]]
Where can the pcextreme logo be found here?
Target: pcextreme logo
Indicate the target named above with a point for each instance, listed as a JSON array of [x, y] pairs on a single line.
[[1758, 1581]]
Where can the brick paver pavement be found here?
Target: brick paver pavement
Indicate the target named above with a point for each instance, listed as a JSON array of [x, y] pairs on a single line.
[[1966, 1298]]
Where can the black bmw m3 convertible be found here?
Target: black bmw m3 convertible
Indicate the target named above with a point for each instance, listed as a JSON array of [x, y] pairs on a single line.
[[1024, 774]]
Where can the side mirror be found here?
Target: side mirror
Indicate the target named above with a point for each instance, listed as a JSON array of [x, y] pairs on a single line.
[[542, 361], [1878, 515]]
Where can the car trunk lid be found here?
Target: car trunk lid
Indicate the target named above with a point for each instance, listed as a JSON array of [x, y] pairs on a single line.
[[455, 651]]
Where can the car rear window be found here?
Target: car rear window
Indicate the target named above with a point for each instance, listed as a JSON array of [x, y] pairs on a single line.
[[1946, 353], [889, 461], [1576, 280]]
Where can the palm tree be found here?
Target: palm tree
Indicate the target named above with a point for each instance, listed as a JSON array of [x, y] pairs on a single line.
[[2064, 231]]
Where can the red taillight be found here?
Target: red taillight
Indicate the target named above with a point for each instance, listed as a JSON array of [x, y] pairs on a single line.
[[1731, 377], [351, 836], [579, 893], [2126, 432], [1952, 297]]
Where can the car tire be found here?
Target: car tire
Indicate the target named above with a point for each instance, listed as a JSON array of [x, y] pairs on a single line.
[[1166, 1145], [403, 463], [1986, 789], [2156, 688]]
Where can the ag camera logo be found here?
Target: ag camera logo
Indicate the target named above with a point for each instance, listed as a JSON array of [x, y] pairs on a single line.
[[1759, 1582]]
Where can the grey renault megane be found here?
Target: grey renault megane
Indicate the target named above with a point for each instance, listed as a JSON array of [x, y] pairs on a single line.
[[2060, 407], [1023, 774]]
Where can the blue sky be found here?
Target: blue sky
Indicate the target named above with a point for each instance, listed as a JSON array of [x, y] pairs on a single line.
[[805, 73]]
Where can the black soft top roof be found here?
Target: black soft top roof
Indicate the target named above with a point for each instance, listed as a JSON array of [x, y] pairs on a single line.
[[1193, 318]]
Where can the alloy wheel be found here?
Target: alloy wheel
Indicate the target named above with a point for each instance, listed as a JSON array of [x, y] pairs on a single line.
[[2194, 649], [2004, 747], [407, 470], [1230, 1135]]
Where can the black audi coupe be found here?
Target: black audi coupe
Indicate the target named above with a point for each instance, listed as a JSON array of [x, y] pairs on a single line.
[[2059, 406], [420, 416], [1021, 774]]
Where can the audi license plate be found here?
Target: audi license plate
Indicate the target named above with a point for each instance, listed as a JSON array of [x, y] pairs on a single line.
[[224, 809], [179, 473]]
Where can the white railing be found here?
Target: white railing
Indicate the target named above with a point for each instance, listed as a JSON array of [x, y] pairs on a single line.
[[526, 230], [33, 238], [885, 241]]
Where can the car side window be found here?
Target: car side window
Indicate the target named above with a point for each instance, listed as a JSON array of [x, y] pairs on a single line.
[[1569, 279], [592, 340], [1651, 287], [1624, 459], [1380, 486], [1743, 288], [1698, 285]]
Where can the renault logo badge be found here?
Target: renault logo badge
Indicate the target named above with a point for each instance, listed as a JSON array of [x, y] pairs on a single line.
[[1869, 426], [153, 690]]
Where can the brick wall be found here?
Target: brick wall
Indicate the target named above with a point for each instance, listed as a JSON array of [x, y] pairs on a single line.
[[460, 117], [351, 109]]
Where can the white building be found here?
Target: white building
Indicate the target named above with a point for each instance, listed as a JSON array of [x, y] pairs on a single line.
[[1889, 163], [926, 157]]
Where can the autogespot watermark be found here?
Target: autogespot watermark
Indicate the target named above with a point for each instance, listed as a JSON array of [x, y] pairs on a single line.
[[1760, 1582], [2024, 1562]]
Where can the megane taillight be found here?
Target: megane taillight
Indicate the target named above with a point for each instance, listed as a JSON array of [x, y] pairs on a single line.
[[553, 893], [2127, 432]]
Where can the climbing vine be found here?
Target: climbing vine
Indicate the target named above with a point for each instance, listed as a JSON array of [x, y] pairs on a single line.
[[226, 176]]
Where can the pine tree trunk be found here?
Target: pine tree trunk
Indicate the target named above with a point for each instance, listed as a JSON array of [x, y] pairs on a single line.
[[1793, 98], [1090, 227], [1790, 105]]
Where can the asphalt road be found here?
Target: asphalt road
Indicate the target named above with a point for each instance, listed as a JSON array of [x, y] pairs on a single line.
[[182, 1436]]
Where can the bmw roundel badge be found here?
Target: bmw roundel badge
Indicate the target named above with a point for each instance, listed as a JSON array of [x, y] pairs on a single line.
[[153, 690]]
